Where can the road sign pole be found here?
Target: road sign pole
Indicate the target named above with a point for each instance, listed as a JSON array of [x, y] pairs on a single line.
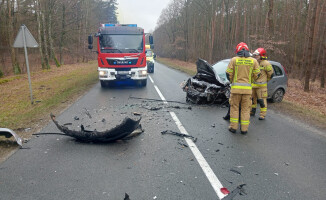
[[27, 64]]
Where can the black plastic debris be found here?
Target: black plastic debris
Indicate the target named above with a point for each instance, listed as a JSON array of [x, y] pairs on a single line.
[[206, 86], [76, 118], [235, 171], [179, 134], [8, 133], [126, 197], [239, 190], [183, 144], [121, 131]]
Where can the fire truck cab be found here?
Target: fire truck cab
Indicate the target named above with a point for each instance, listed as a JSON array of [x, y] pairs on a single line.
[[121, 53]]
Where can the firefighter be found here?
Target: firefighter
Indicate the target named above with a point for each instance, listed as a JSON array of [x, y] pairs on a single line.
[[240, 72], [259, 87]]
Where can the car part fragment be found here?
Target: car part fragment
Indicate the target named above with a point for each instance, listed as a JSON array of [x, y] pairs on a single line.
[[8, 133], [121, 131], [206, 86]]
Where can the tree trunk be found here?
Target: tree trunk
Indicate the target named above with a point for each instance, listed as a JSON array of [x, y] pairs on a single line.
[[38, 19], [312, 7], [15, 64], [52, 53], [270, 18], [63, 31]]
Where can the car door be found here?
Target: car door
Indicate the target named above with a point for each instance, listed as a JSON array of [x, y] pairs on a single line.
[[276, 81]]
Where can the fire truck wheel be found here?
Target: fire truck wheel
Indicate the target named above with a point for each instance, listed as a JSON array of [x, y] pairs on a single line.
[[142, 83], [103, 84]]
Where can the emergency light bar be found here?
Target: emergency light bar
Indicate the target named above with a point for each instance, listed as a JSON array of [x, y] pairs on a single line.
[[111, 25]]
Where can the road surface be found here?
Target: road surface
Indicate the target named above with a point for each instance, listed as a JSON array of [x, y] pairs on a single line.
[[279, 158]]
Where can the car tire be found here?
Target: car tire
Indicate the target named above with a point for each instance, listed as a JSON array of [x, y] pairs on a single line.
[[278, 96]]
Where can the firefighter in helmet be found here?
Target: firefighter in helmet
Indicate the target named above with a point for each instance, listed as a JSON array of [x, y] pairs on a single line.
[[241, 70], [259, 87]]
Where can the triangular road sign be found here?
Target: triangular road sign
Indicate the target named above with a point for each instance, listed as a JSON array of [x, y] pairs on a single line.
[[30, 41]]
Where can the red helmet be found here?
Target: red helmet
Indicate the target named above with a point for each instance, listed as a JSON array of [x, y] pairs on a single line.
[[261, 52], [241, 46]]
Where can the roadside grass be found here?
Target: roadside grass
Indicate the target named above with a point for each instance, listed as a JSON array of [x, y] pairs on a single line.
[[53, 90], [306, 107], [189, 68]]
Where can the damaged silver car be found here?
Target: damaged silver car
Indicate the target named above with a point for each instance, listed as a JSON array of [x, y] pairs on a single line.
[[206, 86]]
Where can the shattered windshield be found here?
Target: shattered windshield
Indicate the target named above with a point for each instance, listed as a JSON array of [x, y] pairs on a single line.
[[121, 43], [220, 68]]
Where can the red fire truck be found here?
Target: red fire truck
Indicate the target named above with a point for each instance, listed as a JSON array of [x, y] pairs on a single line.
[[121, 53]]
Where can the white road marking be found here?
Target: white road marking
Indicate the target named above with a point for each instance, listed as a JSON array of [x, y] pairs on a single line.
[[216, 184], [150, 78]]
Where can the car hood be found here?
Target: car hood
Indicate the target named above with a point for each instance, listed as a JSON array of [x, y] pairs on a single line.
[[206, 73]]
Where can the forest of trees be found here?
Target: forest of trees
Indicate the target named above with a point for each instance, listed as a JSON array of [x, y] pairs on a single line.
[[59, 26], [291, 31]]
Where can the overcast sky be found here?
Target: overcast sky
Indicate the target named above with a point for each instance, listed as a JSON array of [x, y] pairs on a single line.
[[144, 13]]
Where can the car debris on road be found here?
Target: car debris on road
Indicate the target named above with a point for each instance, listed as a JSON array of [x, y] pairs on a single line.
[[121, 131], [8, 133]]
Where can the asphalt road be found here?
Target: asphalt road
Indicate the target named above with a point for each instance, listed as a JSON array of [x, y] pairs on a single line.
[[279, 158]]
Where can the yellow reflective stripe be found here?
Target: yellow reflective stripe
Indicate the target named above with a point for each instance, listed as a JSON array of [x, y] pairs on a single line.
[[269, 68], [235, 75], [236, 120], [241, 87], [244, 61], [259, 85], [254, 106], [250, 73], [229, 70], [263, 109], [245, 122], [255, 71]]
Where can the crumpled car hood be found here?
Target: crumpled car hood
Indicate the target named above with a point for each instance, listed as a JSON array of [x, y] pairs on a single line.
[[206, 73], [206, 86]]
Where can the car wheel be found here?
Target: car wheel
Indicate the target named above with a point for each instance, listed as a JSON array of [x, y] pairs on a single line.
[[278, 96]]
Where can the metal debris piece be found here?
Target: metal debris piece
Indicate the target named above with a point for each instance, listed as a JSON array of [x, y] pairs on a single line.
[[117, 133], [179, 134], [160, 100], [87, 113], [8, 133], [183, 144], [239, 190], [235, 171], [76, 118]]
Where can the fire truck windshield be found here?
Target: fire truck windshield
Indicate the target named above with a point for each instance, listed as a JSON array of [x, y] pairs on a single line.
[[121, 43]]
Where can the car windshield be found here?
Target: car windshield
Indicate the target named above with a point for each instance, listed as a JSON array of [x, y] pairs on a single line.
[[220, 68], [121, 43], [149, 53]]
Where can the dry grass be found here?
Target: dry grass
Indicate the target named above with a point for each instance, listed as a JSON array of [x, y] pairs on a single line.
[[53, 90]]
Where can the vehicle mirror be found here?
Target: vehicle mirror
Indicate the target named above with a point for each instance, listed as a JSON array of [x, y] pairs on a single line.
[[90, 40], [151, 41], [146, 51]]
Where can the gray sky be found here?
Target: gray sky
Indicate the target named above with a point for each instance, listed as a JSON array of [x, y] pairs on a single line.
[[144, 13]]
